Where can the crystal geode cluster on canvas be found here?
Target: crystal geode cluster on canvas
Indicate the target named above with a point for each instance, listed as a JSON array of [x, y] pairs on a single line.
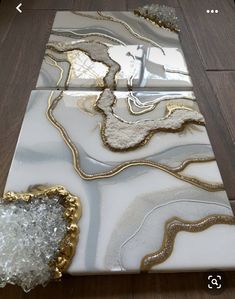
[[114, 120]]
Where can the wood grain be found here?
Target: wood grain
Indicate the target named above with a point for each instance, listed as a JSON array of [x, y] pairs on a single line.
[[132, 4], [232, 202], [108, 5], [180, 286], [20, 58], [45, 4], [7, 14], [214, 33], [139, 286], [218, 132], [224, 87], [232, 3]]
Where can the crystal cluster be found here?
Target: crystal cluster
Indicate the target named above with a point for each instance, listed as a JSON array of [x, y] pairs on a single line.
[[162, 15], [30, 236]]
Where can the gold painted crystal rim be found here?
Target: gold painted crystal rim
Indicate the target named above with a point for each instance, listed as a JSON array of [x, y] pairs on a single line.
[[72, 214], [175, 225]]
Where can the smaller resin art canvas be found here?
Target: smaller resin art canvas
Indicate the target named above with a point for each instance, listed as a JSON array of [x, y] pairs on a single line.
[[113, 171]]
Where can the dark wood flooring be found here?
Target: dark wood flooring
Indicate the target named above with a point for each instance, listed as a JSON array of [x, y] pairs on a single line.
[[209, 46]]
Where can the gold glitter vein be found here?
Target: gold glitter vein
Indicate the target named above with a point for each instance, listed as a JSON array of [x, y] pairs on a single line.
[[176, 225], [55, 61], [151, 105], [72, 214], [150, 133], [106, 84], [104, 17], [116, 40], [76, 158], [55, 64]]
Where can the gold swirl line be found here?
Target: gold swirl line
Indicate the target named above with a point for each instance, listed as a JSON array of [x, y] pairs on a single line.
[[130, 79], [122, 166], [87, 69], [56, 60], [128, 27], [150, 132], [53, 48], [175, 225], [56, 32], [185, 163], [148, 109], [151, 105], [57, 66]]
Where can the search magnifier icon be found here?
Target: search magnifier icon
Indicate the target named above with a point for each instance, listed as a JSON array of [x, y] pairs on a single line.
[[214, 281]]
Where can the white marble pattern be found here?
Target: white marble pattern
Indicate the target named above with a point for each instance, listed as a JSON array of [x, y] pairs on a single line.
[[116, 207], [155, 62]]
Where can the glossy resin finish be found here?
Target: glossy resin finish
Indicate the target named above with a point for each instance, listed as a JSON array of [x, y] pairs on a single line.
[[124, 133], [147, 55]]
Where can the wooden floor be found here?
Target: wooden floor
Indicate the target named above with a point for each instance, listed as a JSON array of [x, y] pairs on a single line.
[[209, 45]]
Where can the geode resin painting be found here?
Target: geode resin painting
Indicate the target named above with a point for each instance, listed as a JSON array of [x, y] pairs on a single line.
[[113, 170]]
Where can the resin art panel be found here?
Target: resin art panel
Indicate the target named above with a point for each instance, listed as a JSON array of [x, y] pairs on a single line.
[[114, 152], [86, 44]]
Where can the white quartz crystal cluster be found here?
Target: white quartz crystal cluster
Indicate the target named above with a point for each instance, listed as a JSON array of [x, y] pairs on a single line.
[[30, 234], [161, 14]]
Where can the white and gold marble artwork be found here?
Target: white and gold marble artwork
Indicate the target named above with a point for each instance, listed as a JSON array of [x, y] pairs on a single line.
[[114, 120]]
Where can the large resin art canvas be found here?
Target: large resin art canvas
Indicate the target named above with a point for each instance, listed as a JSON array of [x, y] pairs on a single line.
[[113, 161]]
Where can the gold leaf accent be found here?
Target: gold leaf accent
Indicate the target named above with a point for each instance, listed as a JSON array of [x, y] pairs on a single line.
[[171, 107]]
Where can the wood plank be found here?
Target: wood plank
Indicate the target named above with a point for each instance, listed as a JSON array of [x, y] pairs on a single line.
[[99, 287], [232, 203], [232, 3], [45, 4], [214, 33], [106, 5], [132, 4], [7, 14], [224, 86], [20, 60], [179, 286], [140, 286], [209, 104], [10, 292]]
